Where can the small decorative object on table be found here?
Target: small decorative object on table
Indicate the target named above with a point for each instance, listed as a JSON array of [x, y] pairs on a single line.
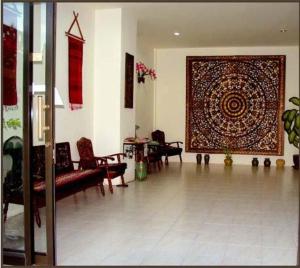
[[255, 162], [199, 158], [142, 71], [280, 163], [267, 162], [206, 159], [228, 158]]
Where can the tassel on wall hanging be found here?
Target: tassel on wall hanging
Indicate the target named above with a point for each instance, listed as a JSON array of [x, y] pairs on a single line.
[[75, 65]]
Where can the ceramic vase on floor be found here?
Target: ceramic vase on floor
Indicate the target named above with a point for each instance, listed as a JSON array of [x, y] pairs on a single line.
[[206, 159], [199, 159], [140, 171], [255, 162], [280, 163], [228, 162], [267, 162]]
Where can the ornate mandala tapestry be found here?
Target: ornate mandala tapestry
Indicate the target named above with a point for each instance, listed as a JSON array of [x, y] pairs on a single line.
[[235, 102]]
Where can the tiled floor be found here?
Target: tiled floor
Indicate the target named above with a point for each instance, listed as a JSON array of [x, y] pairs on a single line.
[[185, 215]]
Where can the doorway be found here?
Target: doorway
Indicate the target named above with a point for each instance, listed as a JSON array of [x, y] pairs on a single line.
[[27, 96]]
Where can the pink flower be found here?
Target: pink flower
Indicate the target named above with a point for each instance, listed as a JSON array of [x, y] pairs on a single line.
[[143, 70]]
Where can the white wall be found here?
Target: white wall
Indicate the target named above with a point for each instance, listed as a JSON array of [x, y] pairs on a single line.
[[145, 93], [170, 92], [72, 125], [107, 74], [127, 115], [115, 34]]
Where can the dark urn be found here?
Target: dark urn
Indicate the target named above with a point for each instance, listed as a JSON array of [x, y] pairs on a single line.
[[199, 159], [296, 161], [206, 159], [267, 162], [255, 162]]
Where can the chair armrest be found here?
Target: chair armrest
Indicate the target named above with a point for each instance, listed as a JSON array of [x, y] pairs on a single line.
[[103, 158], [118, 155], [177, 142]]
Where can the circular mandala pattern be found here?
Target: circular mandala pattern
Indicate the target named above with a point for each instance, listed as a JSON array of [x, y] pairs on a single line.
[[235, 103]]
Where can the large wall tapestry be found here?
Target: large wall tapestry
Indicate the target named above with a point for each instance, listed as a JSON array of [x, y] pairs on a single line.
[[235, 102]]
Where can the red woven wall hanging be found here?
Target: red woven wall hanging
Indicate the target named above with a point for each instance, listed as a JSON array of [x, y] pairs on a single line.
[[9, 66], [75, 65]]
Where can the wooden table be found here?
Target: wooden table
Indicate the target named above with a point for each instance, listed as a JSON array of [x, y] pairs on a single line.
[[137, 147]]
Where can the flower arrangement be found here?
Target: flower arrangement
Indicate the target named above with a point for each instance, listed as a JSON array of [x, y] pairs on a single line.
[[142, 70]]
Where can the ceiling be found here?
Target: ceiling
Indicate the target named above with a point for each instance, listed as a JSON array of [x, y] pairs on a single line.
[[214, 24]]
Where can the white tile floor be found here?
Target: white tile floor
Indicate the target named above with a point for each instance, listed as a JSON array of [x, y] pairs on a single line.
[[185, 215]]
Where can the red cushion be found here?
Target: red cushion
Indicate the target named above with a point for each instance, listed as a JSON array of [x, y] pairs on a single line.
[[66, 178]]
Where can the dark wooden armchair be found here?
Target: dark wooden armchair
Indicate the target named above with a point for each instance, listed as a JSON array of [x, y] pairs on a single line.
[[153, 157], [89, 160], [164, 147]]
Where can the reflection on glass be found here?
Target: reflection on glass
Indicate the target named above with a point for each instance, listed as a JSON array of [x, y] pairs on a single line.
[[39, 45], [13, 208]]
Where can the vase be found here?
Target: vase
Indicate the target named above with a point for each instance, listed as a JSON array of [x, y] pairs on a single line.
[[267, 162], [199, 159], [140, 171], [255, 162], [280, 163], [141, 79], [296, 161], [206, 159], [228, 162]]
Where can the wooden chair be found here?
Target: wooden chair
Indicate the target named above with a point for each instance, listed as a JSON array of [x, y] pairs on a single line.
[[89, 160], [153, 158], [165, 148]]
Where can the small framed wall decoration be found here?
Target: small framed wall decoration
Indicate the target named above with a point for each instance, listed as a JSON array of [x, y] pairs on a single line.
[[129, 74]]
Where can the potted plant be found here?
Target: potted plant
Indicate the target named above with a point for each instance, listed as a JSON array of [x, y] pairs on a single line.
[[291, 119], [228, 157], [142, 70]]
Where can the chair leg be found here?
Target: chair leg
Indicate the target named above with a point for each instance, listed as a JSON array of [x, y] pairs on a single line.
[[180, 158], [5, 209], [166, 160], [123, 184], [123, 180], [102, 188], [110, 185]]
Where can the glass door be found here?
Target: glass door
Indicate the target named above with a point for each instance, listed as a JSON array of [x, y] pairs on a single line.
[[27, 133]]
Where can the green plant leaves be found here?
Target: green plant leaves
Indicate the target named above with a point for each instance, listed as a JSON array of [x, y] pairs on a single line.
[[287, 126], [292, 115], [291, 120], [297, 121], [292, 136], [295, 101]]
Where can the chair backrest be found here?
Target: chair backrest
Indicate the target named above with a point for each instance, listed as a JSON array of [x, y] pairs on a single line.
[[86, 154], [64, 162], [38, 162], [14, 179], [158, 136]]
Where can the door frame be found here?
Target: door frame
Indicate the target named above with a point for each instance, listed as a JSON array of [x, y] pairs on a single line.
[[29, 256]]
